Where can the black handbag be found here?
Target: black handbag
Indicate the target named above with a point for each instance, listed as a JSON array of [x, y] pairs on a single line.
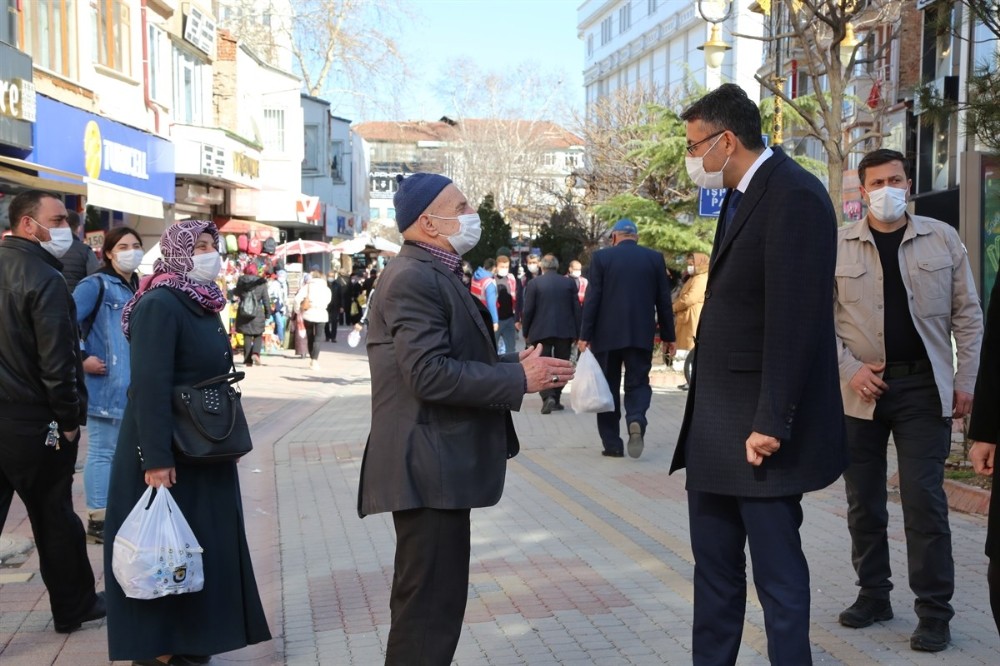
[[209, 424]]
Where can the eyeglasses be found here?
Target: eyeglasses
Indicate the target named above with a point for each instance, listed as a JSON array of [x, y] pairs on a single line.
[[692, 146]]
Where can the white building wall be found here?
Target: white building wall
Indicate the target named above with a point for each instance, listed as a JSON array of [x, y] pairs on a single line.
[[659, 47]]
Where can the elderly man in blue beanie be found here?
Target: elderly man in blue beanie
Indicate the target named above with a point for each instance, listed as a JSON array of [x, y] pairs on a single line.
[[441, 429], [628, 283]]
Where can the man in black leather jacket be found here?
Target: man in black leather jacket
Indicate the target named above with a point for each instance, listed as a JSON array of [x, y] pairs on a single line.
[[41, 383]]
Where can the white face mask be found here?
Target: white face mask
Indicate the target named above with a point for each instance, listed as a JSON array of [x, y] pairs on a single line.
[[206, 267], [533, 268], [575, 273], [61, 239], [888, 204], [469, 231], [712, 180], [128, 260], [690, 270], [502, 272]]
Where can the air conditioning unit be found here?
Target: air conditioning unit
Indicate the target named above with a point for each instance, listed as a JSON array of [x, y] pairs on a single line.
[[201, 195], [199, 30]]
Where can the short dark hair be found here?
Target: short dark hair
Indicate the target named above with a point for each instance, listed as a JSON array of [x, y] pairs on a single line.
[[880, 157], [488, 264], [728, 108], [26, 203], [112, 238], [73, 220]]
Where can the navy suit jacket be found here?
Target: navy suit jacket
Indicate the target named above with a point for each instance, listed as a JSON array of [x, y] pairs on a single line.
[[766, 357], [551, 308], [628, 295]]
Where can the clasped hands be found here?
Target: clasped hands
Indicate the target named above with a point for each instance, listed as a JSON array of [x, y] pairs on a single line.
[[544, 372]]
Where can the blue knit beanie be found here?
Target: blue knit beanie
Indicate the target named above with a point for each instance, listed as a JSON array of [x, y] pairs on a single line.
[[414, 195]]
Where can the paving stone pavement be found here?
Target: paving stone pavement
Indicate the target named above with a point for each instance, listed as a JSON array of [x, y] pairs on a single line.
[[584, 561]]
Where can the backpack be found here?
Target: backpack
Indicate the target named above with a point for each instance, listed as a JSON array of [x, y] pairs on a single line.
[[241, 242], [231, 246], [269, 246], [249, 306]]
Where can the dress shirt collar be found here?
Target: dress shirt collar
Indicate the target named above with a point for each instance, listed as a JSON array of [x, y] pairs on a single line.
[[745, 181]]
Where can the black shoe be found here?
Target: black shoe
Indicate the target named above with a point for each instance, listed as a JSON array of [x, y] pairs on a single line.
[[635, 442], [176, 660], [684, 387], [931, 635], [612, 454], [558, 407], [548, 405], [95, 531], [865, 611], [197, 658], [96, 612]]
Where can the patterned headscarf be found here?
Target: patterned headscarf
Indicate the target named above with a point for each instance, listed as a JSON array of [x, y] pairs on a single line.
[[171, 269]]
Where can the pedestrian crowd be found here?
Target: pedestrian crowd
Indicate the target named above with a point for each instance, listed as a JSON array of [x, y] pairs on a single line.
[[788, 390]]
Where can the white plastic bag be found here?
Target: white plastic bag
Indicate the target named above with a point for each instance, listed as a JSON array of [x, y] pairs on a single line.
[[155, 552], [590, 388]]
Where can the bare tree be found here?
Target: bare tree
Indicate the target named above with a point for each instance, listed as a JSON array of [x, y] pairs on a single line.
[[339, 47], [813, 33]]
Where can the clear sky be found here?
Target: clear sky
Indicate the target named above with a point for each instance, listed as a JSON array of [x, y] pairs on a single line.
[[497, 35]]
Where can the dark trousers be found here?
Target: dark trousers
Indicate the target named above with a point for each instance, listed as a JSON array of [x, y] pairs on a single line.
[[993, 577], [313, 329], [911, 411], [556, 348], [43, 478], [251, 346], [720, 528], [430, 586], [331, 326], [637, 363]]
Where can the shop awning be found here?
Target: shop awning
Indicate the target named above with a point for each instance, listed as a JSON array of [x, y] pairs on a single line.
[[115, 197], [73, 186], [238, 226]]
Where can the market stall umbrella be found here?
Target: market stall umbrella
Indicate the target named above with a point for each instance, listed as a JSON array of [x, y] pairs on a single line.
[[351, 246], [302, 247], [386, 246]]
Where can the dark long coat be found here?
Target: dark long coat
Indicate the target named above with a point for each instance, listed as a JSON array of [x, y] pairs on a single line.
[[984, 425], [766, 357], [441, 399], [258, 285], [174, 341]]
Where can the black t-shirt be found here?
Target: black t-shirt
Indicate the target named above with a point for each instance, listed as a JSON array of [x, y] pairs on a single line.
[[902, 342]]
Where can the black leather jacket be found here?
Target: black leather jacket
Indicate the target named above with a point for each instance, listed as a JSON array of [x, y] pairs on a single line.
[[41, 372]]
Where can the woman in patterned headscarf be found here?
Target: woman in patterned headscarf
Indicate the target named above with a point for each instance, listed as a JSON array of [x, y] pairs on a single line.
[[177, 339]]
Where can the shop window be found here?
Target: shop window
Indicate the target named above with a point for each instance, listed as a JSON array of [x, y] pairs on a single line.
[[189, 88], [112, 34], [274, 129], [49, 35], [310, 160], [374, 214]]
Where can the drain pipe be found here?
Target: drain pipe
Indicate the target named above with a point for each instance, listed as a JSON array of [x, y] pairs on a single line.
[[145, 68]]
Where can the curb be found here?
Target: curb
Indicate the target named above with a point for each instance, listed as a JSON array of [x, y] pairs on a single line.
[[961, 497]]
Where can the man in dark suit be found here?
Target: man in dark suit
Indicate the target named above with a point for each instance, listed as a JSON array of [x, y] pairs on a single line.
[[764, 419], [627, 284], [441, 428], [551, 318]]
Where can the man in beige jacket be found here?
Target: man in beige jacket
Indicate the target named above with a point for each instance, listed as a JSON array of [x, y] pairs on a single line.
[[903, 289]]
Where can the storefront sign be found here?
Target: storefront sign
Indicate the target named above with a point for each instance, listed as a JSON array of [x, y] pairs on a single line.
[[103, 150], [17, 98]]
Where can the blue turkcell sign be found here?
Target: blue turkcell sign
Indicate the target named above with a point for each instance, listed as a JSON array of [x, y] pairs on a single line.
[[74, 140]]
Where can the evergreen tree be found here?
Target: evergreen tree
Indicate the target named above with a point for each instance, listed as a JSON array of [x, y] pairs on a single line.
[[563, 235], [496, 233]]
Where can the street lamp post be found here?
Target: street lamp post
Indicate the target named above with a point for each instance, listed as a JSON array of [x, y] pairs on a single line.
[[715, 12], [777, 134]]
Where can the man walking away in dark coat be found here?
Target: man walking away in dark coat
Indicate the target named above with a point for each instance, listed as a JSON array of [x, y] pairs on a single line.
[[551, 319], [628, 284], [43, 402], [764, 421], [80, 260], [441, 426]]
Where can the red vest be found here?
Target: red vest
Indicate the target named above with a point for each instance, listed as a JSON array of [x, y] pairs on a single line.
[[582, 282], [478, 288]]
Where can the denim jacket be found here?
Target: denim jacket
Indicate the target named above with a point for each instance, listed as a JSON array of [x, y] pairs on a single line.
[[106, 341]]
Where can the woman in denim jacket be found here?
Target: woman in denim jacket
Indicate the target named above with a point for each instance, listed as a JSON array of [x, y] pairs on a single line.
[[106, 362]]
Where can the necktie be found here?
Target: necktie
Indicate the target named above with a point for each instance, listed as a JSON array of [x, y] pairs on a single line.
[[734, 203]]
